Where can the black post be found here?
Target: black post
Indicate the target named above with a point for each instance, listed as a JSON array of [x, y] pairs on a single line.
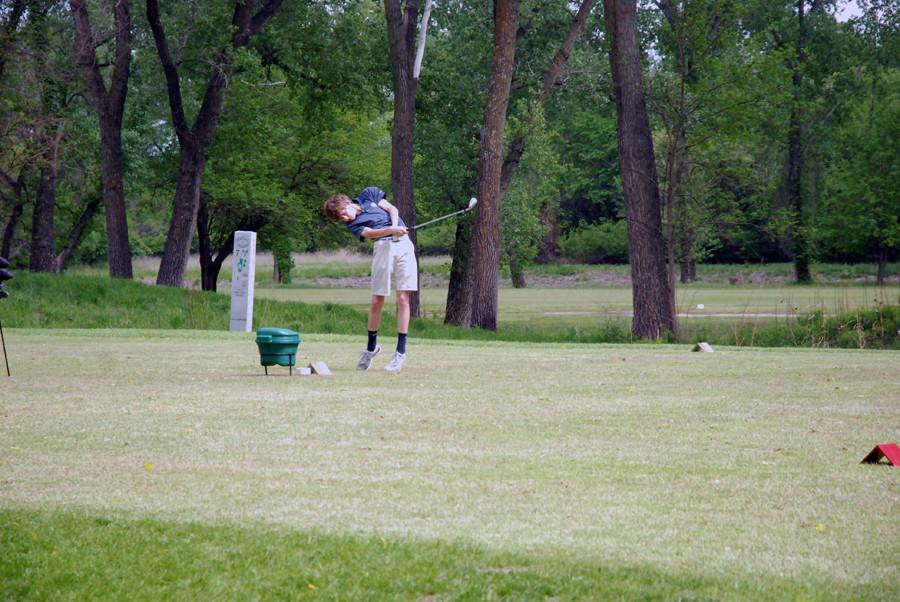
[[4, 276], [3, 341]]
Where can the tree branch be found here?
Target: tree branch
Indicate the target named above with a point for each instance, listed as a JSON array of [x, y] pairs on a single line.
[[173, 85]]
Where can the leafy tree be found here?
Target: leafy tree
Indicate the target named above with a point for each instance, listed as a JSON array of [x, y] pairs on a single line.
[[41, 134], [474, 287], [861, 212], [195, 140], [110, 106], [479, 291], [535, 188], [653, 299], [303, 120], [401, 28]]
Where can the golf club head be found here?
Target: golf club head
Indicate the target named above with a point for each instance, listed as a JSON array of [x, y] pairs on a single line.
[[472, 202], [3, 262]]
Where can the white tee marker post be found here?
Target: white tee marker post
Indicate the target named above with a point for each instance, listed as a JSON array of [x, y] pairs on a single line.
[[243, 275]]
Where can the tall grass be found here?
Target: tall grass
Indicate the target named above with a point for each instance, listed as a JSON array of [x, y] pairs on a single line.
[[78, 301]]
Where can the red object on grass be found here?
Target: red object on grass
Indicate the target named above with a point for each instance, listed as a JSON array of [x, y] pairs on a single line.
[[884, 450]]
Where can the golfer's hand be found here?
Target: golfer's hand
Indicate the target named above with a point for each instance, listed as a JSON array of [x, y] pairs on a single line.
[[398, 231]]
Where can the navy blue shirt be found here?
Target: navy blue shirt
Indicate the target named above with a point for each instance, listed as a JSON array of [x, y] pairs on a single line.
[[372, 216]]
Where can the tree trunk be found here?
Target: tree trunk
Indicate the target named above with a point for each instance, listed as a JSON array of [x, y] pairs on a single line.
[[401, 25], [17, 205], [799, 242], [194, 142], [12, 17], [207, 280], [177, 248], [118, 246], [551, 77], [43, 252], [10, 228], [688, 269], [548, 251], [671, 191], [77, 233], [459, 303], [484, 259], [679, 228], [685, 233], [882, 264], [43, 234], [110, 107], [516, 273], [654, 311]]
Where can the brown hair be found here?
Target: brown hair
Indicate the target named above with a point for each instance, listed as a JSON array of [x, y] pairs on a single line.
[[335, 205]]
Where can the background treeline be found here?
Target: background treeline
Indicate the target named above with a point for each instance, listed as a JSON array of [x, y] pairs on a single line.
[[776, 129]]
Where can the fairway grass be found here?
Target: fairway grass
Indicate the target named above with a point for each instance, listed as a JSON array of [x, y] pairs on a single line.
[[727, 475]]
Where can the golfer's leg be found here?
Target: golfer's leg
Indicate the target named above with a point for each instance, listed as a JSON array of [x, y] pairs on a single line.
[[375, 312], [402, 312]]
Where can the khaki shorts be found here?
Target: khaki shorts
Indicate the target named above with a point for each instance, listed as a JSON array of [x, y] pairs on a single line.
[[397, 260]]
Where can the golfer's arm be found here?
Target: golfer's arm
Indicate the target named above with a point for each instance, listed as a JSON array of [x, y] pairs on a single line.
[[392, 211], [377, 232]]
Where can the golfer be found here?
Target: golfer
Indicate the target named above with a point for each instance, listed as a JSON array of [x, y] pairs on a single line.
[[371, 216]]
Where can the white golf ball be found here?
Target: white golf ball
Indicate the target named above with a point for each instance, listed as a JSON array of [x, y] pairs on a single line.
[[700, 306]]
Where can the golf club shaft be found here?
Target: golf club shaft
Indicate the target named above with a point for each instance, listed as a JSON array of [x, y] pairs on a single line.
[[437, 219]]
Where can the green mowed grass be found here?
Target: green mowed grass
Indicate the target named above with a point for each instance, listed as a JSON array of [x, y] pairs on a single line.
[[163, 458]]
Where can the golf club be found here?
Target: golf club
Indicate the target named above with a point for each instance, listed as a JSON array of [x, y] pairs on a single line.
[[472, 202]]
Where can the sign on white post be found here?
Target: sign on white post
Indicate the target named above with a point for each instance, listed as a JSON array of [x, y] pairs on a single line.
[[243, 275]]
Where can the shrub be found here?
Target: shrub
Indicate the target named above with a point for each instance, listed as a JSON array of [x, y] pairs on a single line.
[[603, 242]]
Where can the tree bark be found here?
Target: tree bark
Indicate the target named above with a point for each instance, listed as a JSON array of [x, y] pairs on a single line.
[[484, 256], [551, 77], [194, 142], [10, 228], [401, 25], [13, 15], [458, 307], [77, 233], [215, 249], [679, 230], [459, 304], [43, 233], [110, 107], [882, 264], [17, 205], [549, 248], [654, 311], [516, 274], [207, 279], [43, 252], [799, 243]]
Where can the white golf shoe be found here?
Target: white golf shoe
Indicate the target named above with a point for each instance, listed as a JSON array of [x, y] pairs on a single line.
[[396, 362], [365, 360]]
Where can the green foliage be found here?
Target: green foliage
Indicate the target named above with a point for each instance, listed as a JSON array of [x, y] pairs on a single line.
[[603, 242], [449, 109], [307, 114], [861, 212], [592, 187], [533, 191]]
